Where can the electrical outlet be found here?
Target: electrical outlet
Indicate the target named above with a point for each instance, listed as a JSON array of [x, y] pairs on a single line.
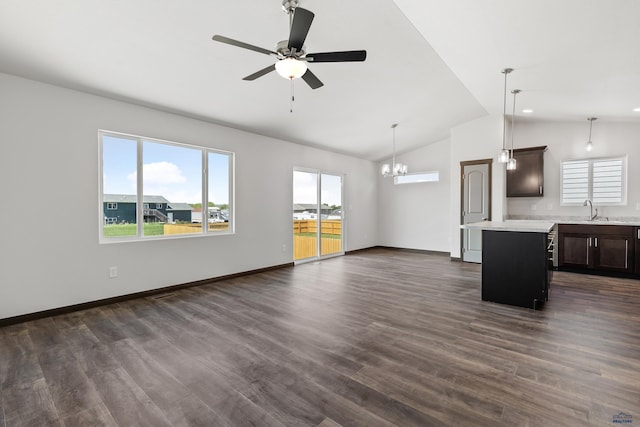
[[550, 206], [113, 272], [638, 206], [284, 248], [534, 207]]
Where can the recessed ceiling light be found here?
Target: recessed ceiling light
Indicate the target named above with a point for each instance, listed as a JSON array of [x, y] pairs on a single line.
[[637, 110], [527, 110]]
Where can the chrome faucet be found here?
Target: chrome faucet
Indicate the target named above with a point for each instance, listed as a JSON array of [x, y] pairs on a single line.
[[591, 215]]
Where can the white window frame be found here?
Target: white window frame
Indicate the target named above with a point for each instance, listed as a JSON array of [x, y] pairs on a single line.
[[112, 206], [590, 182], [417, 178], [205, 151]]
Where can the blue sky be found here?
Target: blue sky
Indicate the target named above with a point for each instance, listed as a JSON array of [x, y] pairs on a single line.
[[174, 172], [171, 171], [305, 188]]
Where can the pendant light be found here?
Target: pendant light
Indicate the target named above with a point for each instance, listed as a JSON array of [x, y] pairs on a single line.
[[394, 169], [503, 157], [511, 163], [589, 143]]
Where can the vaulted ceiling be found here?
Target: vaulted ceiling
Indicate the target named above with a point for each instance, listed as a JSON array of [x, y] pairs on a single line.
[[431, 64]]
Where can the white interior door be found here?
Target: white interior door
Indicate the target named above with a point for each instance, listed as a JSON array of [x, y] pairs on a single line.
[[476, 206]]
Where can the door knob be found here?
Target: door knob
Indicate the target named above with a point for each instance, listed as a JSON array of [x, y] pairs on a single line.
[[485, 219]]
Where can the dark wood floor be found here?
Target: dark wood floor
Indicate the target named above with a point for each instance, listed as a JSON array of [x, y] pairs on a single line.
[[380, 337]]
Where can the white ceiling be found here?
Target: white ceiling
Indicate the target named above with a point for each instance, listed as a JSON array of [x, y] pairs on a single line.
[[438, 68]]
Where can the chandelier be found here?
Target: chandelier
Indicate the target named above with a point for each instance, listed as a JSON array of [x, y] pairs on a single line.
[[394, 169]]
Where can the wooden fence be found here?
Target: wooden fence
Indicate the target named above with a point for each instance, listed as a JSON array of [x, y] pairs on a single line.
[[194, 228], [329, 226], [305, 246]]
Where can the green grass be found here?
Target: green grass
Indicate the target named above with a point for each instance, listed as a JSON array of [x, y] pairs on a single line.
[[121, 230]]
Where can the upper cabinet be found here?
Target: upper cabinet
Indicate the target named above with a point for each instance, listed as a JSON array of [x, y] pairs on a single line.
[[527, 180]]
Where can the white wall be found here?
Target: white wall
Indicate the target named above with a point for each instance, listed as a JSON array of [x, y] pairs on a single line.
[[49, 188], [416, 216], [476, 140], [567, 140]]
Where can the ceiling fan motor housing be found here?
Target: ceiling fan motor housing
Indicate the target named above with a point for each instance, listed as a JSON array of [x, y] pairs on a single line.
[[283, 50]]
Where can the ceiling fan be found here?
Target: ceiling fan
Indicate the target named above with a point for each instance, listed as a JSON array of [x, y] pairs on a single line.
[[291, 54]]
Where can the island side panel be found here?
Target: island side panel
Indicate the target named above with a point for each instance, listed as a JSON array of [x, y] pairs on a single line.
[[514, 268]]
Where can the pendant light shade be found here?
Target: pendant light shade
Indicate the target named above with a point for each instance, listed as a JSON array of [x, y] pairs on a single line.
[[511, 163], [394, 169], [590, 143], [503, 157]]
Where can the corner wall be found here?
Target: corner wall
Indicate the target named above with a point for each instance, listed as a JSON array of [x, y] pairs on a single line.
[[415, 216]]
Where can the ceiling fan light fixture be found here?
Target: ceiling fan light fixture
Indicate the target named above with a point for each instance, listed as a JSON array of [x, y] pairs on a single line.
[[291, 68]]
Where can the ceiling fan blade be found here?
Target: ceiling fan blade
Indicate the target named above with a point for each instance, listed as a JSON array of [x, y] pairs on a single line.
[[346, 56], [261, 73], [312, 80], [302, 19], [232, 42]]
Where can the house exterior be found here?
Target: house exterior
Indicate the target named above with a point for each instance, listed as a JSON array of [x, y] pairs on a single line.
[[302, 209], [121, 209]]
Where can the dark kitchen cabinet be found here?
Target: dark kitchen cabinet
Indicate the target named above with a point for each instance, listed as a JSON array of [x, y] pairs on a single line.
[[516, 269], [637, 236], [527, 180], [574, 249], [597, 247]]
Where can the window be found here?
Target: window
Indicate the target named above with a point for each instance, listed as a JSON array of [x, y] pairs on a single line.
[[163, 189], [603, 181], [413, 178]]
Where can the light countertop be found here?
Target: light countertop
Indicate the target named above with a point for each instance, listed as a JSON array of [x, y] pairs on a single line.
[[601, 222], [523, 226]]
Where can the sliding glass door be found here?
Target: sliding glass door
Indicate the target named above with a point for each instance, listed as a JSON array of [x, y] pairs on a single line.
[[317, 214]]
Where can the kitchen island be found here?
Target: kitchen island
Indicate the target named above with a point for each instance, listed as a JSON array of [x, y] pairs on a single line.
[[516, 261]]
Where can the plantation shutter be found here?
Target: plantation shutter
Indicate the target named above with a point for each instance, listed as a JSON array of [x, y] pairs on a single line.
[[575, 181], [608, 181]]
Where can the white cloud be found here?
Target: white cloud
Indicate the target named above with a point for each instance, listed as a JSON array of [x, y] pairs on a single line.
[[166, 179], [160, 173], [163, 173]]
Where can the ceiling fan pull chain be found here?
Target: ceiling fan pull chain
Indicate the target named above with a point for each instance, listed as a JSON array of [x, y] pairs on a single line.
[[292, 98]]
